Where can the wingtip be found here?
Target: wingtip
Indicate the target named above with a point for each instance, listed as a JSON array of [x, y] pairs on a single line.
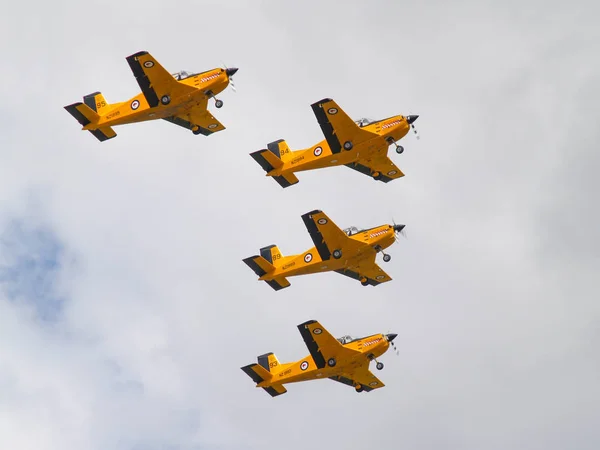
[[138, 54], [323, 100], [308, 322], [312, 213]]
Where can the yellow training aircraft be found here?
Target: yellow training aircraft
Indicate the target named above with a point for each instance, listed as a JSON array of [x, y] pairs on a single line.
[[361, 145], [181, 98], [345, 360], [350, 252]]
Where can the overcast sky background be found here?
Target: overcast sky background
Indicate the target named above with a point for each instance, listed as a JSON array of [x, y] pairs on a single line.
[[126, 310]]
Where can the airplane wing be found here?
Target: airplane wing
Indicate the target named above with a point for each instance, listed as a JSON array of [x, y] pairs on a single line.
[[375, 275], [363, 377], [387, 169], [206, 122], [326, 235], [323, 347], [337, 126], [155, 82]]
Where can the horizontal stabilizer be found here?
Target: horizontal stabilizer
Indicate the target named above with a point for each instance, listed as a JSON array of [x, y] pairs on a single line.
[[259, 265], [275, 390], [82, 113], [257, 373], [267, 160], [103, 133], [286, 179], [278, 283]]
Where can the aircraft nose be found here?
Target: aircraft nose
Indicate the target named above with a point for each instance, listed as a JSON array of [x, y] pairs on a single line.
[[399, 228], [411, 119], [231, 71], [391, 337]]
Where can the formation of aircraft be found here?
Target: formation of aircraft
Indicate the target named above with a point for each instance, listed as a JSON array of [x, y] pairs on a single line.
[[349, 252], [345, 360], [361, 145], [180, 98]]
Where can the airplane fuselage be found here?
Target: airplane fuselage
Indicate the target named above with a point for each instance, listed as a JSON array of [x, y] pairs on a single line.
[[320, 155], [364, 350], [378, 238], [137, 109]]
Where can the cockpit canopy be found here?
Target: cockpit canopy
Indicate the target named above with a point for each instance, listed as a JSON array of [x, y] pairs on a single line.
[[351, 230], [346, 339], [364, 122], [182, 75]]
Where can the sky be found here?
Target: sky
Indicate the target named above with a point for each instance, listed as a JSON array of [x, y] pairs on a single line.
[[126, 311]]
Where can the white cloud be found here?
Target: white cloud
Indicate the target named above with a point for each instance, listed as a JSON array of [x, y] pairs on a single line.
[[493, 291]]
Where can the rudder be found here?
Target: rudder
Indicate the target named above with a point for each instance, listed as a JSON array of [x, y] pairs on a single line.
[[269, 361], [96, 101], [280, 149], [272, 254]]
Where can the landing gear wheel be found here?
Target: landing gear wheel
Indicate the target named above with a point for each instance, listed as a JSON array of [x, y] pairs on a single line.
[[348, 145], [379, 366], [387, 258], [359, 388], [337, 254], [219, 103], [331, 362], [399, 149], [364, 281], [196, 130], [376, 176], [165, 99]]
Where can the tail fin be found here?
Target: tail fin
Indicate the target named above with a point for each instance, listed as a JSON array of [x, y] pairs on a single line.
[[273, 158], [85, 116], [261, 372], [280, 149], [272, 254], [261, 265], [269, 361], [96, 102]]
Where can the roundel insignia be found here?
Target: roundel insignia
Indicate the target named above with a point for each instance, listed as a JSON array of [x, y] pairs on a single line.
[[304, 365], [373, 383], [135, 104], [392, 172], [322, 221], [148, 64], [213, 125], [332, 110], [308, 257], [317, 331], [379, 277], [317, 151]]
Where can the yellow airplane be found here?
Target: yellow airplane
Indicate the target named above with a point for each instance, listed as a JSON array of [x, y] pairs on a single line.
[[350, 252], [345, 360], [361, 145], [180, 98]]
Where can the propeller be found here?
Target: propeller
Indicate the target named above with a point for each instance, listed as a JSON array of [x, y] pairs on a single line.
[[390, 337], [230, 71], [398, 229], [410, 120]]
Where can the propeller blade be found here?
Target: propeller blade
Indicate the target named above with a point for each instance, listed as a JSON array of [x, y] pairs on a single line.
[[415, 131]]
